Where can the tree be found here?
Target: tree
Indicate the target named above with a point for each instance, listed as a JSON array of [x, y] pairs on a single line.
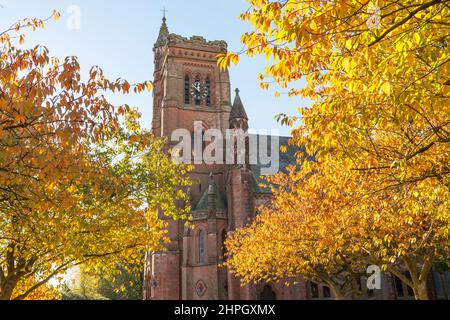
[[377, 74], [80, 181], [289, 238], [43, 292], [327, 229], [127, 283]]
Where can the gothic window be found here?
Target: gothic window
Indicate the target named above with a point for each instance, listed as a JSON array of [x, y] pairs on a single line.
[[410, 291], [314, 290], [442, 282], [402, 290], [326, 292], [408, 288], [223, 247], [208, 91], [203, 143], [187, 99], [399, 287], [201, 247], [193, 143]]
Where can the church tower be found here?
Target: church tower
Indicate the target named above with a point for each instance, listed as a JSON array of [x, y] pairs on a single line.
[[190, 88]]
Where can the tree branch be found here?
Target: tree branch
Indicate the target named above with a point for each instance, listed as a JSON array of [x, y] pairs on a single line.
[[408, 17]]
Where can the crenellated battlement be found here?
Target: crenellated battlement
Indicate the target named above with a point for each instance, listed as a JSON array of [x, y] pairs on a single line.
[[196, 43]]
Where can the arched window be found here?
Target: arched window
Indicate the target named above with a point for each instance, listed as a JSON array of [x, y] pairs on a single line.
[[187, 83], [326, 292], [208, 92], [193, 141], [223, 247], [201, 247], [314, 290]]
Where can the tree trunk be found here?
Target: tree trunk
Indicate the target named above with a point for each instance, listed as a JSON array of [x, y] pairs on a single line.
[[421, 291], [6, 293], [337, 294]]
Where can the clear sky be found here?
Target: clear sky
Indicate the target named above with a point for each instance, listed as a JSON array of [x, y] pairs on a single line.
[[119, 36]]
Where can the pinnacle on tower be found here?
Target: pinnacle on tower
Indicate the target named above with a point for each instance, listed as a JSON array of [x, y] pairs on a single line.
[[212, 184], [163, 33], [238, 110]]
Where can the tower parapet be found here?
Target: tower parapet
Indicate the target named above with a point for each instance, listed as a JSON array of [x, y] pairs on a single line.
[[196, 43]]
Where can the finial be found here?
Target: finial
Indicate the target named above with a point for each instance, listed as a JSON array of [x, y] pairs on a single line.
[[212, 186], [237, 90], [163, 31], [164, 14]]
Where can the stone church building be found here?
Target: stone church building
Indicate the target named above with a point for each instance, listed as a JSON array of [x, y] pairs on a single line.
[[189, 87]]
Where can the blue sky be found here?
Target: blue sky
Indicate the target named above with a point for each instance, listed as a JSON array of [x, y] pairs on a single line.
[[119, 35]]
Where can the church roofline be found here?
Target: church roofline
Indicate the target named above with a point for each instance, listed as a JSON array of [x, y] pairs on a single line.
[[196, 43], [165, 38]]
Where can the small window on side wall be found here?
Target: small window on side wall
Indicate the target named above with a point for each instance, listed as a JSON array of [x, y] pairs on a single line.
[[208, 92], [224, 247], [187, 97], [314, 290], [326, 292], [201, 247]]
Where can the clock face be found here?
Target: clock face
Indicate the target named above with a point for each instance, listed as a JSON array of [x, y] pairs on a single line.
[[198, 91]]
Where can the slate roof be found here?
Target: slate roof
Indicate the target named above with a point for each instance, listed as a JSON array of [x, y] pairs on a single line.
[[238, 110], [286, 159], [202, 204]]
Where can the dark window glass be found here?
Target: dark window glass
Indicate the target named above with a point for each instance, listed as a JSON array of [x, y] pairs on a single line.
[[326, 292], [201, 247], [314, 290], [187, 99], [224, 248], [208, 92], [410, 291], [408, 288], [399, 287]]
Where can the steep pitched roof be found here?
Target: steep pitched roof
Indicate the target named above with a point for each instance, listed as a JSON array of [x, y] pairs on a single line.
[[238, 110], [202, 204], [288, 158], [163, 34], [258, 184]]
